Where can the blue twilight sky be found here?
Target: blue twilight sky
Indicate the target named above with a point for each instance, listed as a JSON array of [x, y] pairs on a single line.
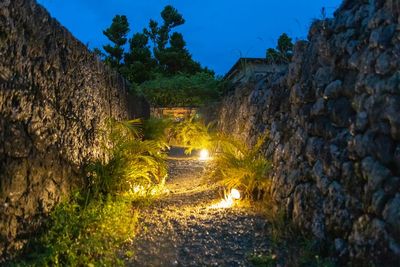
[[217, 32]]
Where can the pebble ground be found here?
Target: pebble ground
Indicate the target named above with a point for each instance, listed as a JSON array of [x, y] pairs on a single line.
[[182, 229]]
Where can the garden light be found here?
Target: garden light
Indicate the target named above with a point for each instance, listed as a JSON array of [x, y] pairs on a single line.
[[235, 193], [228, 201], [204, 155]]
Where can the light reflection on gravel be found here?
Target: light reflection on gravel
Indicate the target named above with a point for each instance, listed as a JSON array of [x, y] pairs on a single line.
[[182, 230]]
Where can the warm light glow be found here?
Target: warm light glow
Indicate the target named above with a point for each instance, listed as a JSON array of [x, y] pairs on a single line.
[[235, 193], [204, 155], [228, 201]]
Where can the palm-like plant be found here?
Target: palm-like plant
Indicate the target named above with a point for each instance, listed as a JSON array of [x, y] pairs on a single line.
[[191, 134], [157, 129], [132, 161], [240, 166]]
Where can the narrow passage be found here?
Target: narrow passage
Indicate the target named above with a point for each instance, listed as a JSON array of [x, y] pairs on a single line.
[[181, 228]]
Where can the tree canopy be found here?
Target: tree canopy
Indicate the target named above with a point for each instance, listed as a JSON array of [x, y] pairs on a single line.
[[283, 52], [156, 50], [157, 62], [116, 33]]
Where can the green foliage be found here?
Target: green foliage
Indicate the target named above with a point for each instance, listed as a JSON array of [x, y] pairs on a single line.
[[192, 134], [182, 90], [89, 229], [176, 58], [171, 17], [164, 71], [283, 52], [157, 129], [79, 235], [236, 164], [139, 64], [240, 166], [132, 162], [116, 33], [285, 44], [263, 261], [166, 56]]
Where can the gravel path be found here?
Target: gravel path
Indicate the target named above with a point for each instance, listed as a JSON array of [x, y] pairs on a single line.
[[181, 229]]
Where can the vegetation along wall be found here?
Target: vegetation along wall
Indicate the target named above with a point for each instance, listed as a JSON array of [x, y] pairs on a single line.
[[55, 98], [334, 125]]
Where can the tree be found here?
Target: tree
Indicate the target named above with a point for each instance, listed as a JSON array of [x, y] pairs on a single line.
[[160, 34], [283, 52], [139, 63], [285, 45], [117, 34], [169, 50], [165, 56], [176, 58], [171, 17]]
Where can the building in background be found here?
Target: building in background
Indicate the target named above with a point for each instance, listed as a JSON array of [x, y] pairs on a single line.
[[177, 113], [252, 69]]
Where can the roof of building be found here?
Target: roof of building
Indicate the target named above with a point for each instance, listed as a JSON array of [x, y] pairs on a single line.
[[242, 61]]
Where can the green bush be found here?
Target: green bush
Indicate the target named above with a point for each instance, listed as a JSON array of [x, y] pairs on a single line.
[[240, 166], [192, 134], [132, 162], [182, 90], [83, 236], [157, 129]]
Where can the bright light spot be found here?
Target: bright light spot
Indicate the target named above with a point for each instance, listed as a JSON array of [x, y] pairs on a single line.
[[228, 201], [204, 155], [235, 193]]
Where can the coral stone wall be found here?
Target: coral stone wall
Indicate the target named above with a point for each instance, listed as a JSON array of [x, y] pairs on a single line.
[[334, 123], [55, 96]]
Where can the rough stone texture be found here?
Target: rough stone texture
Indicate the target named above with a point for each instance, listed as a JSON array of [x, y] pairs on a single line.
[[334, 127], [55, 96]]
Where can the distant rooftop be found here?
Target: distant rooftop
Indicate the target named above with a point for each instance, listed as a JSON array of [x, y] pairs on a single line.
[[242, 62]]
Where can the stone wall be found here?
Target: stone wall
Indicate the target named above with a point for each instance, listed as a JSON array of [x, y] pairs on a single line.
[[55, 96], [334, 123]]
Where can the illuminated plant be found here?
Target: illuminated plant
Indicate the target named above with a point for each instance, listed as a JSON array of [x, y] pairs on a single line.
[[240, 166], [157, 129], [132, 161], [192, 134], [89, 228]]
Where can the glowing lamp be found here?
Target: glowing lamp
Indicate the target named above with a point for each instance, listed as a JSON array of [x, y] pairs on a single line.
[[228, 201], [204, 155], [235, 194]]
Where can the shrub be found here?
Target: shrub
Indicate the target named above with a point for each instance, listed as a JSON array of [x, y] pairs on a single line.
[[83, 236], [192, 134], [132, 162], [240, 166], [182, 90], [157, 129]]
